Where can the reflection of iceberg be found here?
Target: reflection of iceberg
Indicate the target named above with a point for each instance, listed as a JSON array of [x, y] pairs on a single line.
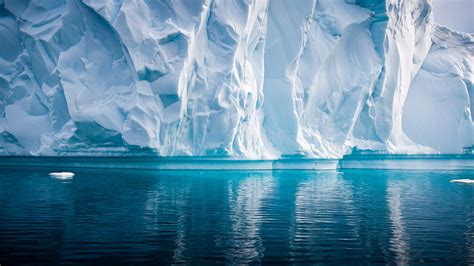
[[399, 240], [324, 215], [165, 210], [470, 240], [246, 217]]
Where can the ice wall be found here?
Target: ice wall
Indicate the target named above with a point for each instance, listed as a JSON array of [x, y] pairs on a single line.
[[439, 107], [241, 78]]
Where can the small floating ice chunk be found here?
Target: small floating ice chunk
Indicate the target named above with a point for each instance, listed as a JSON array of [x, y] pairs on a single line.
[[464, 181], [62, 175]]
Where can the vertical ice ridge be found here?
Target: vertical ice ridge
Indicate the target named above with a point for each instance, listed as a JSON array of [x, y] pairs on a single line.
[[282, 46]]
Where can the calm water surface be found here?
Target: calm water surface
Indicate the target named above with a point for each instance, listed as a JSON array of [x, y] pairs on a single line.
[[345, 217]]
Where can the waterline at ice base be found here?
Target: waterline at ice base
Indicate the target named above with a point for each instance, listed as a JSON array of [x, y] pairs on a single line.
[[254, 80]]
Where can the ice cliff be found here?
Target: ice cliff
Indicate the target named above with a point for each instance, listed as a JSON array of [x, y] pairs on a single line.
[[241, 78]]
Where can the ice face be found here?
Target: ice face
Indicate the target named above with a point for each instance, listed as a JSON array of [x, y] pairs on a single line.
[[438, 112], [252, 79]]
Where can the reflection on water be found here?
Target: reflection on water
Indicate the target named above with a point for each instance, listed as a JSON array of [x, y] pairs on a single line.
[[165, 201], [344, 217], [399, 240], [470, 237], [324, 215], [246, 215]]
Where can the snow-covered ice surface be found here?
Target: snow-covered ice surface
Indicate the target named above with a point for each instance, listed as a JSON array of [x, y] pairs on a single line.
[[249, 79]]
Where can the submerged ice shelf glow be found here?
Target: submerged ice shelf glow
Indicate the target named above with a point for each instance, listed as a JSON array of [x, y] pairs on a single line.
[[248, 79]]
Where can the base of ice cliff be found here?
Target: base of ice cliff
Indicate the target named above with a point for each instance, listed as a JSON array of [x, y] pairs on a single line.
[[252, 79]]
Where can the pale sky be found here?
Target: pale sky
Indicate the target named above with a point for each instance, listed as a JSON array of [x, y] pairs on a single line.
[[456, 14]]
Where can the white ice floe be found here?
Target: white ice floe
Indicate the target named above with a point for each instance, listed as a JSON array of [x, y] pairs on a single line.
[[464, 181], [62, 175]]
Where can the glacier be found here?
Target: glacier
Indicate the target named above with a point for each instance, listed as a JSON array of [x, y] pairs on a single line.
[[255, 79]]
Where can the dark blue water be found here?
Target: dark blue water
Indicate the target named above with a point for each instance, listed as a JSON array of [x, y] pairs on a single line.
[[241, 217]]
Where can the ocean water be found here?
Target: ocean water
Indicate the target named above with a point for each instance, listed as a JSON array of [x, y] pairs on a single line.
[[348, 216]]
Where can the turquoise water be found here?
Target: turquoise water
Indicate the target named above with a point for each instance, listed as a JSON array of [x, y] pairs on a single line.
[[350, 216]]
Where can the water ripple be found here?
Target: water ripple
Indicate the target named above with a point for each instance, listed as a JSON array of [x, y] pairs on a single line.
[[396, 217]]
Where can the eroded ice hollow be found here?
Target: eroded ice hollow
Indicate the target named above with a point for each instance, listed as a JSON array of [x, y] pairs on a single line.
[[242, 79]]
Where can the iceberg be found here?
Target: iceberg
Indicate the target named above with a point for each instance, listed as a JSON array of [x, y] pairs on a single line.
[[246, 79]]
